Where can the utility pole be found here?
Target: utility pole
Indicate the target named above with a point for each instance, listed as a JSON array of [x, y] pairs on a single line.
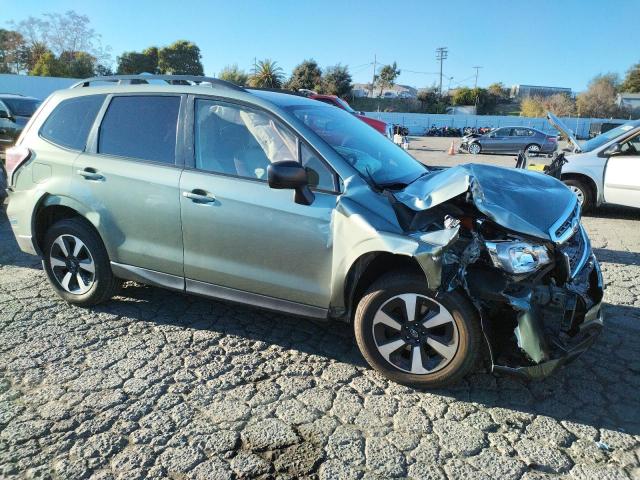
[[373, 80], [477, 70], [475, 86], [441, 55]]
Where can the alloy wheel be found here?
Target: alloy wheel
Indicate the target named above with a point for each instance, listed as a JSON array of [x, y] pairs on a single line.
[[533, 149], [72, 264], [578, 193], [474, 148], [415, 334]]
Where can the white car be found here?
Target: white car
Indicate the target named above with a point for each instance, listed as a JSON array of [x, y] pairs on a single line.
[[605, 169]]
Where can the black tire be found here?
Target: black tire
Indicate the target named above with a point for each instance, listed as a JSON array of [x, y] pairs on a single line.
[[588, 200], [466, 319], [528, 153], [104, 285]]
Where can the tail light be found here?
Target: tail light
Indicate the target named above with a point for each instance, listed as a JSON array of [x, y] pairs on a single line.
[[15, 157], [552, 139]]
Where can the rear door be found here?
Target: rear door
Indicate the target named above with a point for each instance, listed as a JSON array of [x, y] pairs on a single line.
[[129, 178], [622, 175]]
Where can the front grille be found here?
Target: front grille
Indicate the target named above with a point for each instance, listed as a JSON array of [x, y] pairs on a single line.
[[575, 249], [568, 223]]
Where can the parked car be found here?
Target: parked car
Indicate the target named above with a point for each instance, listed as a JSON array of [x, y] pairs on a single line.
[[15, 111], [384, 128], [606, 168], [510, 140], [285, 203], [598, 128]]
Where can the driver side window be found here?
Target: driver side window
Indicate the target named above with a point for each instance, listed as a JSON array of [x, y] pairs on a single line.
[[239, 141], [631, 147]]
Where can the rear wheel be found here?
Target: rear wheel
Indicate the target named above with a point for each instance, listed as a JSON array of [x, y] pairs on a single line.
[[77, 264], [582, 191], [532, 150], [475, 148], [413, 338]]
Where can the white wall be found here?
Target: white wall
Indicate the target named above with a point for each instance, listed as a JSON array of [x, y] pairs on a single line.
[[38, 87], [417, 123]]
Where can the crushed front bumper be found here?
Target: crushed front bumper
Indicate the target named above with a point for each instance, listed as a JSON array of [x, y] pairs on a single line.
[[534, 330]]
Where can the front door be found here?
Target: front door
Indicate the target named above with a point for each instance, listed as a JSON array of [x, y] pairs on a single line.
[[622, 175], [238, 232], [129, 180]]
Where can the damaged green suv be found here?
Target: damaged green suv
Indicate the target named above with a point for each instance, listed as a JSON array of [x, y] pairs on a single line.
[[285, 203]]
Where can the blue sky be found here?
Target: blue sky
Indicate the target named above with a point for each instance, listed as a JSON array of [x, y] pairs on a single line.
[[559, 43]]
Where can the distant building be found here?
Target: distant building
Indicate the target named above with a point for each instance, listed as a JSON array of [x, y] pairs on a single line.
[[396, 91], [524, 91], [630, 101]]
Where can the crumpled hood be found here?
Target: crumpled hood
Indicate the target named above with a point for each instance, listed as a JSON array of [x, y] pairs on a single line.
[[523, 201]]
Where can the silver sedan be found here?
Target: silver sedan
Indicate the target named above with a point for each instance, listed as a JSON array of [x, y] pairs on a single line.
[[510, 140]]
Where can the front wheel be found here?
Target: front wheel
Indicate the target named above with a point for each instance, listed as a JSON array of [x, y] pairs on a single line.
[[582, 192], [413, 338], [77, 264], [475, 148]]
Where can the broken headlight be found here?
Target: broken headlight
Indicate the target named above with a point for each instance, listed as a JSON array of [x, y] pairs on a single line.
[[518, 257]]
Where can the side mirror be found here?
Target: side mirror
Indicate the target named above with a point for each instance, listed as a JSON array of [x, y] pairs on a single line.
[[5, 114], [614, 149], [291, 175]]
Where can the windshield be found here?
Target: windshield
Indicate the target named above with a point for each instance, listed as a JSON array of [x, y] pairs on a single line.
[[345, 105], [21, 107], [606, 137], [371, 153]]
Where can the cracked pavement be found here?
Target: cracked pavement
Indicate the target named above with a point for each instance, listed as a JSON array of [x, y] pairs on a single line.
[[156, 384]]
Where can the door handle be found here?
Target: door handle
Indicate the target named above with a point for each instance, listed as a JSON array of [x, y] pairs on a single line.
[[90, 174], [199, 196]]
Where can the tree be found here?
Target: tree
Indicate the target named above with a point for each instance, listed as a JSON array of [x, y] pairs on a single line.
[[48, 65], [600, 98], [134, 63], [13, 52], [559, 104], [62, 32], [267, 75], [387, 76], [631, 82], [231, 73], [499, 91], [61, 44], [532, 107], [336, 81], [180, 58], [306, 75]]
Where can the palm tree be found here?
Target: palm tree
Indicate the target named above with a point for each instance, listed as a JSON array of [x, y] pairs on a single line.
[[267, 75]]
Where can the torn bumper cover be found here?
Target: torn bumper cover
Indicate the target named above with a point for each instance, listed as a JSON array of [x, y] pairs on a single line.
[[533, 322]]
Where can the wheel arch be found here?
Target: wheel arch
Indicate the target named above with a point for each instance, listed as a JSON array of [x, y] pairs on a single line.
[[367, 268], [53, 208], [587, 180]]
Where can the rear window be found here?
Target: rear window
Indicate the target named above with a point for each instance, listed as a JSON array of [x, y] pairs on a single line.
[[22, 107], [70, 122], [141, 127]]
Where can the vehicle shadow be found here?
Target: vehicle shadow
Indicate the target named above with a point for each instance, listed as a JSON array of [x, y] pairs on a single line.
[[10, 253], [614, 212], [617, 256], [598, 390]]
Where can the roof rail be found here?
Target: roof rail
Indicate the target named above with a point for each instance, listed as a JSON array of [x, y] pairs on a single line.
[[14, 94], [170, 79]]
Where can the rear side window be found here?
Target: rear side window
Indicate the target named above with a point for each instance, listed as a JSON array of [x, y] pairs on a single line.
[[141, 127], [70, 122]]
